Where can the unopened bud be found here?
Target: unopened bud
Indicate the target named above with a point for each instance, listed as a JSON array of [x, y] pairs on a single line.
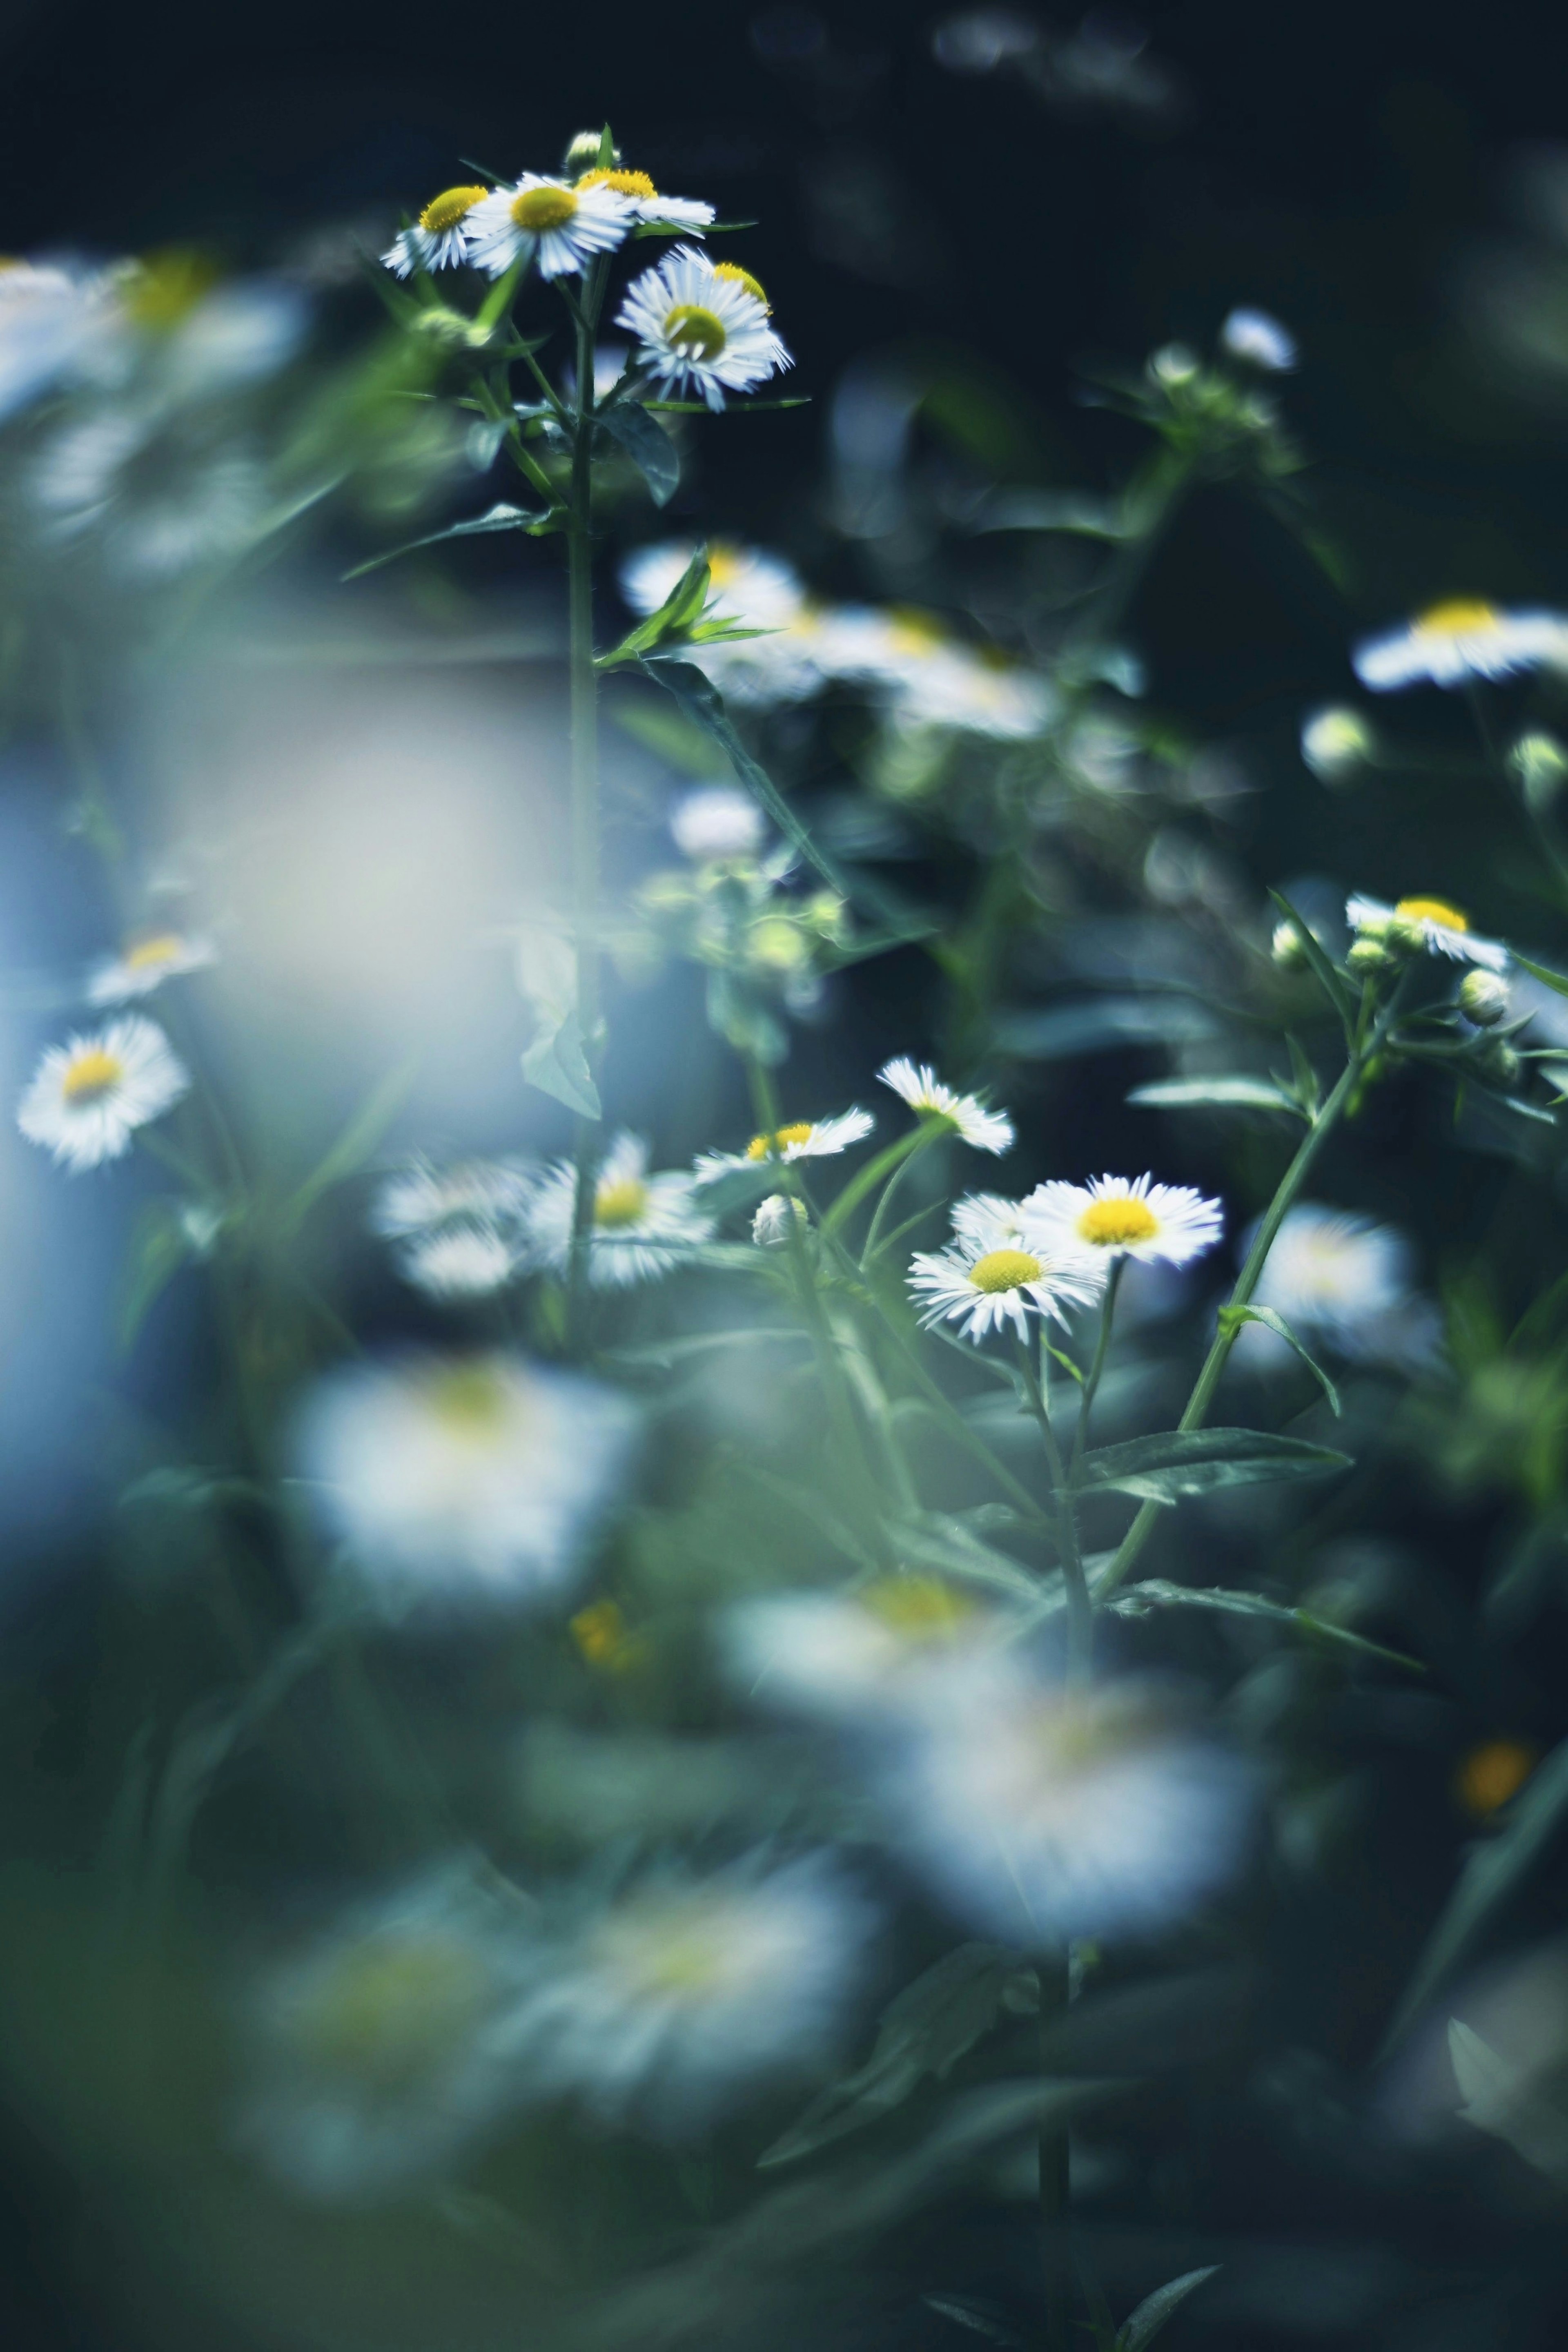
[[776, 945], [1287, 949], [1484, 999], [1404, 933], [1500, 1062], [1540, 763], [583, 154], [1174, 363], [1337, 744], [1367, 957], [770, 1225]]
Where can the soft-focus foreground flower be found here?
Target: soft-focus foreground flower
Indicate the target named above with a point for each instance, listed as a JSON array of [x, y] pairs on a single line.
[[702, 328], [144, 964], [1121, 1216], [1258, 338], [157, 499], [371, 2064], [49, 321], [88, 1096], [1337, 744], [1345, 1280], [716, 823], [923, 1090], [647, 204], [671, 2001], [998, 1272], [1460, 639], [455, 1481], [643, 1226], [421, 1197], [847, 1656], [1040, 1812], [463, 1260], [558, 226], [439, 238], [801, 1139], [1429, 923]]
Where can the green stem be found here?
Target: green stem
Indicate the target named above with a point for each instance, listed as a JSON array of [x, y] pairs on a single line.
[[584, 801], [1080, 1606], [865, 1180], [1054, 2188], [1102, 1349]]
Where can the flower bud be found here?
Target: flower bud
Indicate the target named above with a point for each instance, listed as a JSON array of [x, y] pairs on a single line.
[[1499, 1063], [1484, 999], [1540, 763], [1337, 744], [770, 1225], [1367, 956], [583, 155], [1286, 947], [1173, 364], [776, 945]]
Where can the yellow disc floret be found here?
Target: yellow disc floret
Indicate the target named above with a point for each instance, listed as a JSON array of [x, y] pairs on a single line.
[[391, 2009], [744, 278], [621, 1201], [539, 210], [1118, 1223], [1432, 911], [91, 1075], [451, 205], [468, 1399], [626, 184], [920, 1607], [1457, 615], [147, 955], [696, 333], [763, 1147], [1489, 1775], [1005, 1269]]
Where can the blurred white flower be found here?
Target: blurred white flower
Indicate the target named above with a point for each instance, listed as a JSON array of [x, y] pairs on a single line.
[[1337, 744], [850, 1657], [745, 583], [717, 822], [988, 1277], [801, 1138], [49, 321], [455, 1481], [1463, 638], [927, 678], [161, 502], [144, 964], [438, 239], [88, 1096], [923, 1090], [1345, 1280], [1429, 923], [770, 1225], [643, 1226], [647, 204], [419, 1198], [1259, 339], [371, 2065], [1121, 1216], [463, 1260], [701, 329], [672, 2000], [561, 228], [1040, 1812]]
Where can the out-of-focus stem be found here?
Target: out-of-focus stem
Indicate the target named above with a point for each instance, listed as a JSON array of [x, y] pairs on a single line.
[[584, 801], [1054, 1993], [1080, 1608]]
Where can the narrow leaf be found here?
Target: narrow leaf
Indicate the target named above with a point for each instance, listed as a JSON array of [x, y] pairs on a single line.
[[354, 1146], [1151, 2313], [1140, 1600], [1322, 971], [647, 444], [1232, 1318], [159, 1247], [1216, 1093], [1557, 981], [557, 1065], [1184, 1461], [495, 518]]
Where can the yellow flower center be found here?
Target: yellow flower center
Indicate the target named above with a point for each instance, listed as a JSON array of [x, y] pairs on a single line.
[[1114, 1225], [1457, 615], [621, 1201], [452, 205], [762, 1147], [669, 1947], [166, 287], [1005, 1269], [695, 333], [391, 2008], [723, 566], [1489, 1775], [148, 954], [920, 1607], [91, 1075], [537, 210], [599, 1632], [743, 277], [913, 632], [1432, 911], [468, 1399], [626, 184]]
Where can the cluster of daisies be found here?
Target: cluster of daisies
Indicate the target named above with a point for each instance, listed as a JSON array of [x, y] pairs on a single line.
[[89, 1095], [921, 675], [701, 326]]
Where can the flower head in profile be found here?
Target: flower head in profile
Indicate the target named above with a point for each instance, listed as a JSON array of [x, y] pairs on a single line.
[[1430, 924], [88, 1096], [439, 238], [701, 328], [1257, 337], [144, 964], [421, 1197], [716, 823], [998, 1270], [1122, 1216], [677, 1996], [647, 204], [559, 228], [801, 1139], [643, 1225], [1461, 639], [455, 1482], [369, 2062], [923, 1090], [1343, 1279], [848, 1656], [469, 1258], [1040, 1812], [770, 1227]]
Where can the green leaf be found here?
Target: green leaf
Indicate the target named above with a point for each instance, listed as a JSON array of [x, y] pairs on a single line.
[[1309, 1094], [674, 739], [557, 1065], [555, 1060], [159, 1247], [1151, 2313], [1553, 980], [495, 518], [1322, 971], [1216, 1093], [1184, 1461], [1231, 1319], [354, 1146], [1142, 1600], [647, 444], [680, 608], [736, 408], [924, 2032]]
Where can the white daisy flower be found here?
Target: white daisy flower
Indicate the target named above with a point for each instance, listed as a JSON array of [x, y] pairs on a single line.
[[989, 1220], [745, 583], [1430, 923], [1344, 1280], [1040, 1813], [144, 964], [994, 1274], [802, 1138], [439, 238], [1121, 1216], [923, 1090], [647, 204], [847, 1656], [161, 504], [675, 1998], [463, 1260], [1463, 638], [421, 1198], [562, 227], [643, 1225], [371, 2065], [701, 328], [717, 822], [1259, 338], [455, 1481], [88, 1096]]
